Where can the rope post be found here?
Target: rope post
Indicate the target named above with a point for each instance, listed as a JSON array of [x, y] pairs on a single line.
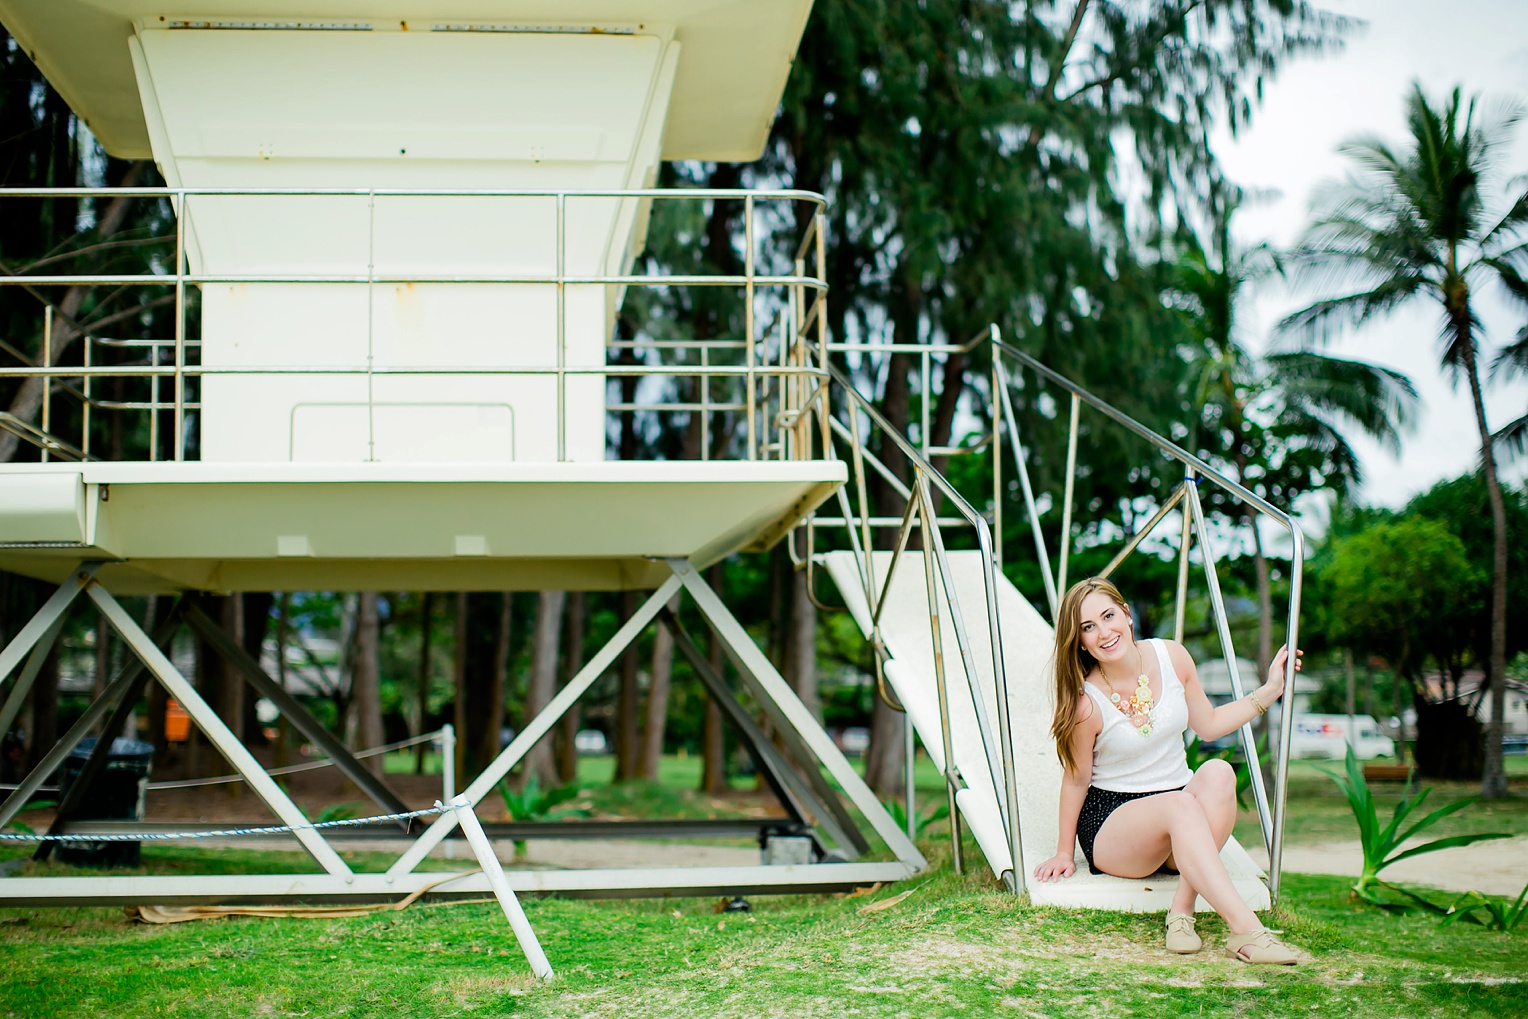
[[478, 839], [448, 774], [909, 764]]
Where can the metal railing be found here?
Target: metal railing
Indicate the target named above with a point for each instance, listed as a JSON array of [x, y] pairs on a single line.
[[858, 521], [761, 376], [1185, 498], [859, 527]]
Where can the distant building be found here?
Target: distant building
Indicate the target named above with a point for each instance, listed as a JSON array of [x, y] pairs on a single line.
[[1215, 678], [1469, 685]]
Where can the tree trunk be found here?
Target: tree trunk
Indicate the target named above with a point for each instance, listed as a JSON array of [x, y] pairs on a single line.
[[482, 626], [572, 662], [885, 757], [423, 676], [942, 425], [344, 702], [656, 719], [158, 697], [493, 736], [210, 684], [366, 680], [255, 618], [779, 606], [283, 724], [801, 643], [713, 741], [1493, 777], [230, 685], [539, 762], [626, 701], [1448, 742], [1349, 700], [102, 677], [42, 732]]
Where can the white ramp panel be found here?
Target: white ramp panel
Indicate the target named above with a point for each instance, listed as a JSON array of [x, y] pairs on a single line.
[[1027, 640]]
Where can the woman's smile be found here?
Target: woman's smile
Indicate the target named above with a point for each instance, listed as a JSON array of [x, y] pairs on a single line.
[[1105, 627]]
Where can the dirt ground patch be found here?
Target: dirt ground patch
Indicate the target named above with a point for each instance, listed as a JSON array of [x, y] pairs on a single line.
[[1497, 867]]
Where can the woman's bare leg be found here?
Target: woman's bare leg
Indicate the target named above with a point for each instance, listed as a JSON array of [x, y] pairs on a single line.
[[1214, 786], [1139, 836]]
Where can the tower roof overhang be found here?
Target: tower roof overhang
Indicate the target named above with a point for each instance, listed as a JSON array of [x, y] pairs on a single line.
[[735, 54]]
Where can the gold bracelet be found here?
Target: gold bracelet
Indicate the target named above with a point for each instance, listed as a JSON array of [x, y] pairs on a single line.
[[1257, 704]]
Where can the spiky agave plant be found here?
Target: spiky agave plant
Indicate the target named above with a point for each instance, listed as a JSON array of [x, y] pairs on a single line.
[[1501, 915], [1382, 844]]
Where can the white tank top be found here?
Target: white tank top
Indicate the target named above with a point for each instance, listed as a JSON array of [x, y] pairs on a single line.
[[1124, 761]]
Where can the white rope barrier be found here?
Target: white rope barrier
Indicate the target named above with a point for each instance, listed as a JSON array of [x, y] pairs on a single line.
[[283, 829]]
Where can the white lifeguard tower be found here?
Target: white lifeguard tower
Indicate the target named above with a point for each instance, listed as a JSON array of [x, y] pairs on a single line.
[[411, 225]]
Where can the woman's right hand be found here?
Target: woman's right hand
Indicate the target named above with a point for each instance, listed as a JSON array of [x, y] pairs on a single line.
[[1057, 867]]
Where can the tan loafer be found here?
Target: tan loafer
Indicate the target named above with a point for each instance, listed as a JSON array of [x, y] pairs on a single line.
[[1260, 946], [1180, 934]]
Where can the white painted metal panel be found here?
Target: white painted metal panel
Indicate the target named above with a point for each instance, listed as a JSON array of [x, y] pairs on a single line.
[[1027, 644], [403, 110], [42, 507], [442, 526]]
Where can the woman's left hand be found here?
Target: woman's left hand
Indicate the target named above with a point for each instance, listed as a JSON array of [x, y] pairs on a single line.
[[1275, 684]]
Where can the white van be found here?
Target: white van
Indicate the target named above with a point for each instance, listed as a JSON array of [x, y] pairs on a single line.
[[1327, 736]]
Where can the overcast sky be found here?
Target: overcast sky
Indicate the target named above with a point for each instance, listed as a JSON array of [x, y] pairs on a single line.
[[1314, 105]]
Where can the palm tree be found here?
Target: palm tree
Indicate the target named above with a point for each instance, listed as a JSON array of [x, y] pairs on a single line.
[[1255, 411], [1418, 224]]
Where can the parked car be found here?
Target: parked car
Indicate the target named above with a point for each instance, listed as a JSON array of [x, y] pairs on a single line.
[[1327, 736], [854, 740], [591, 742]]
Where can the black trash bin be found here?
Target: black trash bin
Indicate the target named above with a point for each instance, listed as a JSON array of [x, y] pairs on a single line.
[[117, 794]]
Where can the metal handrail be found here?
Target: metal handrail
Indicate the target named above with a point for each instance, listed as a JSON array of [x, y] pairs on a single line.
[[1271, 816], [934, 554], [45, 441], [803, 290], [1185, 498], [771, 194]]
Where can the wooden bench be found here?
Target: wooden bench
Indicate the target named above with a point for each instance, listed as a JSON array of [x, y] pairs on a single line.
[[1387, 772]]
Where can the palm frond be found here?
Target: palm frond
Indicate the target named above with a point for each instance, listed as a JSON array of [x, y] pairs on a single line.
[[1323, 321], [1513, 438], [1302, 430], [1382, 402], [1510, 276], [1515, 218], [1513, 358]]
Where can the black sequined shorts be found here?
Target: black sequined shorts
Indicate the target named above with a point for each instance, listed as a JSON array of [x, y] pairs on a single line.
[[1096, 808]]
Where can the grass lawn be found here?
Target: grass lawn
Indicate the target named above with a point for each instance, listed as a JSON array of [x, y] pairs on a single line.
[[952, 946]]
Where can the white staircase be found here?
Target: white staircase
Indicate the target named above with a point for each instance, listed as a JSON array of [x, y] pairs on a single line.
[[1026, 640]]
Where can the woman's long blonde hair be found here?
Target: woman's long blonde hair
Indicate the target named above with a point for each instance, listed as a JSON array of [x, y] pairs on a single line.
[[1072, 663]]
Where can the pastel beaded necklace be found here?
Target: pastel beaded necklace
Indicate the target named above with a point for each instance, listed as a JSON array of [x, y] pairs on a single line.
[[1138, 707]]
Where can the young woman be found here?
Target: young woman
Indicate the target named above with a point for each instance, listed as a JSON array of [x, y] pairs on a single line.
[[1127, 794]]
